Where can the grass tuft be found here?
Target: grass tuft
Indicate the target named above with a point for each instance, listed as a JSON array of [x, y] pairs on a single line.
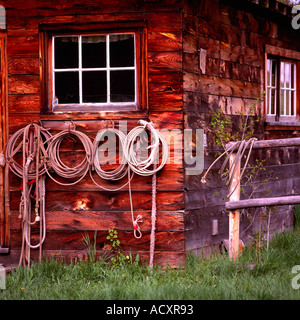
[[214, 278]]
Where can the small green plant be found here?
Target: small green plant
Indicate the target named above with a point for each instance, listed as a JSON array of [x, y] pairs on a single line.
[[118, 257], [114, 243], [219, 123]]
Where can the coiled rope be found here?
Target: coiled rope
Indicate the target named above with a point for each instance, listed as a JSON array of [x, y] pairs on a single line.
[[38, 160], [31, 141], [137, 165], [79, 171], [116, 174], [142, 166], [239, 148]]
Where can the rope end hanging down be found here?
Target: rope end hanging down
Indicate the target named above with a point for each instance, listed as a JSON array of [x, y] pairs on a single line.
[[239, 148], [2, 160]]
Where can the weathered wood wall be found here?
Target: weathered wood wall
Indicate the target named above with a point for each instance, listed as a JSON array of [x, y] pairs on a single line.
[[230, 37], [65, 224]]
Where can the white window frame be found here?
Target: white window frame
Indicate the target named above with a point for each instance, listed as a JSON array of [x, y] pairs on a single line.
[[288, 89], [281, 116], [108, 69], [270, 87]]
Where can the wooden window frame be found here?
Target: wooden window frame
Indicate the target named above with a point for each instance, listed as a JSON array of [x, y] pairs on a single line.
[[46, 34], [284, 55], [277, 116]]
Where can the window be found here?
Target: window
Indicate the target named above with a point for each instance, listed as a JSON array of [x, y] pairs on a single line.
[[99, 68], [94, 69], [282, 86], [281, 89]]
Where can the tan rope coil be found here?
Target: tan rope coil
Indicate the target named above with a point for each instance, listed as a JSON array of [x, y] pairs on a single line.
[[31, 141], [79, 171]]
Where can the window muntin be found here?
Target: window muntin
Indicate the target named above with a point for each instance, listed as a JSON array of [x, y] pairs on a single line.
[[281, 92], [94, 70]]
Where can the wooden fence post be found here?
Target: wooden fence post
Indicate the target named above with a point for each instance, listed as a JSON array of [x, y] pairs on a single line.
[[234, 215]]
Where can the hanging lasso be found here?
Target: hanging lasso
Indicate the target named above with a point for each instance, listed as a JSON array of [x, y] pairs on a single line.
[[79, 171], [142, 166], [116, 174], [39, 159], [31, 142]]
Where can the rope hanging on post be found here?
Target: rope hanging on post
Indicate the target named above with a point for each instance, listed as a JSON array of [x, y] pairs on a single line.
[[239, 148]]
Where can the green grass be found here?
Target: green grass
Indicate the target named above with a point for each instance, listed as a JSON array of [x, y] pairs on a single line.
[[215, 278]]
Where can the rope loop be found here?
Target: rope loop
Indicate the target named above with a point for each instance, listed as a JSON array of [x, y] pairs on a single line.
[[79, 171], [135, 162]]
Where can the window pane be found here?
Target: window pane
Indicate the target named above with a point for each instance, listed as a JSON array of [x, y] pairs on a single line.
[[282, 75], [268, 71], [66, 52], [287, 75], [287, 102], [282, 102], [293, 75], [121, 50], [67, 87], [293, 93], [122, 86], [274, 71], [273, 108], [94, 51], [94, 86]]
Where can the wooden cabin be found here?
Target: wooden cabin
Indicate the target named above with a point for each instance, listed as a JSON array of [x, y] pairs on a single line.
[[181, 61]]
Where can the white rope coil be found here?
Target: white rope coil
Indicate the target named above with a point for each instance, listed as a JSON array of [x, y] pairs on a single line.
[[116, 174], [38, 160], [19, 142], [137, 165], [79, 171]]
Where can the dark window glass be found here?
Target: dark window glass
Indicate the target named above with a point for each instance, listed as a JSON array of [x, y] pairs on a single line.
[[122, 88], [66, 52], [94, 51], [94, 86], [121, 50], [67, 87]]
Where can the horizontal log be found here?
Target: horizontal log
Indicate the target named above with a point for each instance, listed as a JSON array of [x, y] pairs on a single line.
[[166, 181], [23, 65], [85, 6], [28, 20], [223, 86], [164, 41], [18, 121], [165, 60], [106, 201], [75, 240], [163, 258], [104, 220], [23, 43], [165, 82], [165, 101], [23, 84], [275, 143], [22, 103], [262, 202]]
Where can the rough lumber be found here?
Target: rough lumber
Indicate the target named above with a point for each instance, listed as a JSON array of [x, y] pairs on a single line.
[[275, 143], [262, 202], [234, 215]]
